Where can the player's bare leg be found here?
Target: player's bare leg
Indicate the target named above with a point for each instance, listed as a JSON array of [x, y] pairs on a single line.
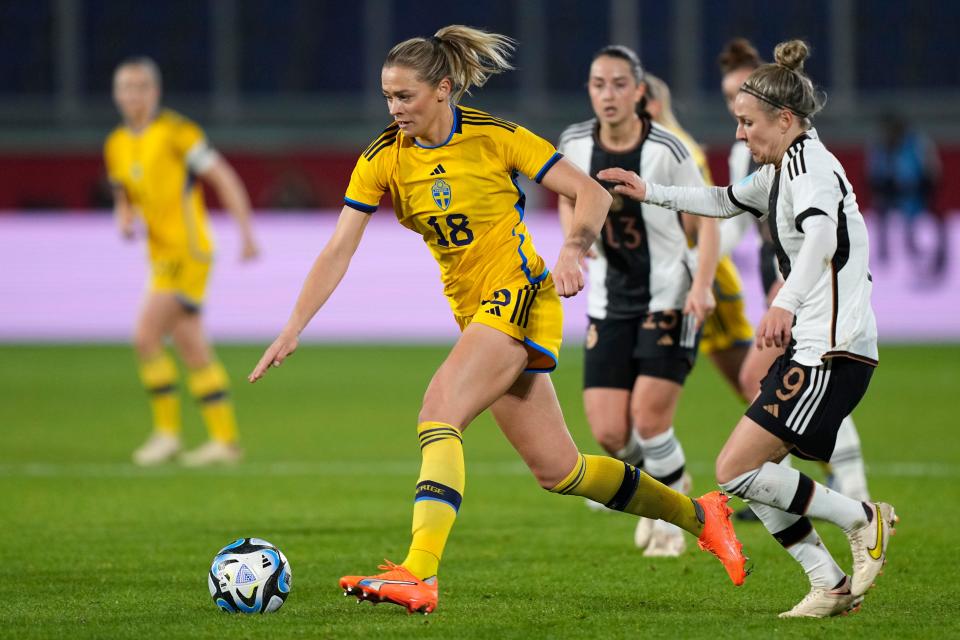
[[785, 499], [158, 372], [479, 369], [530, 417]]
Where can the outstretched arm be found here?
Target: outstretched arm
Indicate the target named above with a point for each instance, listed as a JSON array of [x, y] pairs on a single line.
[[590, 205], [231, 192], [713, 202], [327, 271]]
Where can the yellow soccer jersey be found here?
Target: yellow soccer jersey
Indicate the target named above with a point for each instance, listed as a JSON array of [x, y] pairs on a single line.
[[462, 196], [157, 169]]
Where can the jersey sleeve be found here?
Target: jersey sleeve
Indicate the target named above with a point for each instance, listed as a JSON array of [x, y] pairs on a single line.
[[111, 162], [369, 180], [687, 173], [815, 192], [752, 194], [191, 144], [528, 153]]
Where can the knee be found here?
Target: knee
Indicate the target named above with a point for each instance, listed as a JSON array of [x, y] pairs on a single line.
[[612, 437], [650, 421], [721, 471], [146, 344], [725, 470]]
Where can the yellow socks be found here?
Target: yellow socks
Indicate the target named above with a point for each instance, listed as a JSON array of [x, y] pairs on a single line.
[[438, 496], [623, 487], [159, 378], [211, 388]]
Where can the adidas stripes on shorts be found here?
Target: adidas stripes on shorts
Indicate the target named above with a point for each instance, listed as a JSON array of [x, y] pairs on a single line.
[[805, 405], [660, 344]]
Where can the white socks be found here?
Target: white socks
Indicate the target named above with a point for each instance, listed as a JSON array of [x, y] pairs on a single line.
[[663, 458], [846, 463], [632, 453], [791, 491], [797, 535]]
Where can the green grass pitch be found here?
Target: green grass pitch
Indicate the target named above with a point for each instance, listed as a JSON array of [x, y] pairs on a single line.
[[98, 548]]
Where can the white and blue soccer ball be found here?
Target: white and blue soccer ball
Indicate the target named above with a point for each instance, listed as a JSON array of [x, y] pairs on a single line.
[[249, 575]]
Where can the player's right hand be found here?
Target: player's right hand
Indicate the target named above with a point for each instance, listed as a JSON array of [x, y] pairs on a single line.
[[276, 353], [567, 275], [628, 182]]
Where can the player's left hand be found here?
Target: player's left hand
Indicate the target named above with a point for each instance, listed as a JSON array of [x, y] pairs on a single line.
[[775, 329], [701, 303], [567, 274]]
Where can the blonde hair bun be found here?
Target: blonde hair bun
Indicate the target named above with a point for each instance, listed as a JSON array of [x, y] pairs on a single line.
[[791, 54]]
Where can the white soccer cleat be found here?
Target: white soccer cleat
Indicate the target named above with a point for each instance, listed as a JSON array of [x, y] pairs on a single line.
[[212, 452], [825, 603], [666, 541], [159, 448], [643, 533], [868, 544]]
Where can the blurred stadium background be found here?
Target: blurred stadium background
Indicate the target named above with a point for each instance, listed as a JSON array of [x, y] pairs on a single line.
[[288, 91]]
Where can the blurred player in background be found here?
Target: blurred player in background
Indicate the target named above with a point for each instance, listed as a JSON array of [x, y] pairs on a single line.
[[823, 317], [451, 171], [648, 293], [153, 161], [904, 170], [845, 471]]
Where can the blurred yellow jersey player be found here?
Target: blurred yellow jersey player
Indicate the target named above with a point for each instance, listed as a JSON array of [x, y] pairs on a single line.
[[727, 333], [154, 160], [157, 169], [462, 196]]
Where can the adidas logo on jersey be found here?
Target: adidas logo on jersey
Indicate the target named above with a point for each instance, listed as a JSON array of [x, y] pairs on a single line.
[[665, 341], [772, 409], [438, 170]]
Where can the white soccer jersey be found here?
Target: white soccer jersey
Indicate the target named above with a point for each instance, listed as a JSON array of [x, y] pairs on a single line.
[[643, 263], [835, 319]]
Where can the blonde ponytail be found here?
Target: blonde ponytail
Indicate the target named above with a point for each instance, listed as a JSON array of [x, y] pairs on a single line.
[[466, 55]]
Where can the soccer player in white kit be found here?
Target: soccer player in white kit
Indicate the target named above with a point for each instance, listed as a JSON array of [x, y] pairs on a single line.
[[846, 469], [649, 293], [822, 315]]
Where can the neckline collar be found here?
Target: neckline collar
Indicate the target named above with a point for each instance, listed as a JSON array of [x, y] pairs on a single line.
[[453, 129]]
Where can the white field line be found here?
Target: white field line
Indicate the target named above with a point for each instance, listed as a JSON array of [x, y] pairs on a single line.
[[395, 468]]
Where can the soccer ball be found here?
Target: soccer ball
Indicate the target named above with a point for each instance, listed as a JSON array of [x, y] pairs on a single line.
[[249, 575]]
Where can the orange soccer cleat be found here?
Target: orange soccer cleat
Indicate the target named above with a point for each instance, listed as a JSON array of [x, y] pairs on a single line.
[[396, 585], [718, 536]]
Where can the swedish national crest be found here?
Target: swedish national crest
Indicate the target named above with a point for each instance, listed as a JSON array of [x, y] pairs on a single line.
[[441, 194]]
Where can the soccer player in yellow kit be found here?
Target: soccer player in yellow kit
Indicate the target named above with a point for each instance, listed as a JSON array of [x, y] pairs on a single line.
[[153, 161], [451, 172]]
